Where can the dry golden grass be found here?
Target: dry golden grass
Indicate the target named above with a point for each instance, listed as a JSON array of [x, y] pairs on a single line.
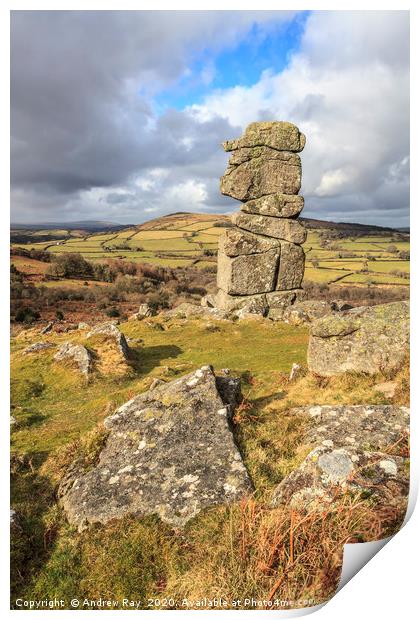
[[108, 358], [275, 555]]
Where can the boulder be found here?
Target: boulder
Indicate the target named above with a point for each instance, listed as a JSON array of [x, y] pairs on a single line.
[[351, 454], [186, 310], [70, 327], [208, 301], [275, 205], [256, 172], [279, 228], [326, 474], [306, 311], [236, 242], [144, 311], [47, 328], [279, 135], [296, 372], [291, 267], [77, 354], [340, 305], [37, 347], [278, 301], [369, 339], [248, 274], [374, 427], [170, 452], [251, 304], [109, 331]]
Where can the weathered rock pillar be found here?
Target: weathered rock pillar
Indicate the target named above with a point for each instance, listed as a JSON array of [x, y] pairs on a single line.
[[260, 260]]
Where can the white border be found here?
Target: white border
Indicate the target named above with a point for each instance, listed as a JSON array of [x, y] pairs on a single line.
[[388, 585]]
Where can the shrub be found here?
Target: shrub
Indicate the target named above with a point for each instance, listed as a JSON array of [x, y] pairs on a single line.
[[113, 312], [26, 315], [158, 301], [69, 265]]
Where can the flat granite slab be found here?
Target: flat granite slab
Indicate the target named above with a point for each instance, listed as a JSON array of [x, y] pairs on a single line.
[[170, 452]]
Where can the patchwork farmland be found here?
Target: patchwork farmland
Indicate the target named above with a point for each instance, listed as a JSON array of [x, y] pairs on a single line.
[[190, 240]]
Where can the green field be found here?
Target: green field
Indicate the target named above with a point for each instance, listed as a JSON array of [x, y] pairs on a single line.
[[366, 260], [184, 240]]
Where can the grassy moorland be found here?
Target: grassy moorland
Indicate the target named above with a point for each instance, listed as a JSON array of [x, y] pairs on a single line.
[[244, 550], [240, 551]]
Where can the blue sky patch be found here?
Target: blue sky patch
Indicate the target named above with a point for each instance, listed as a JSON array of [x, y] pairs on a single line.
[[264, 47]]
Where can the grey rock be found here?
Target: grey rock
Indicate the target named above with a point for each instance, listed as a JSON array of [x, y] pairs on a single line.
[[275, 205], [256, 172], [70, 327], [186, 310], [279, 228], [144, 311], [248, 275], [229, 389], [339, 305], [306, 311], [326, 474], [387, 388], [351, 454], [110, 331], [279, 301], [369, 427], [252, 304], [279, 135], [47, 328], [208, 301], [262, 253], [296, 372], [291, 268], [272, 304], [236, 242], [83, 325], [76, 353], [369, 339], [170, 452], [37, 347]]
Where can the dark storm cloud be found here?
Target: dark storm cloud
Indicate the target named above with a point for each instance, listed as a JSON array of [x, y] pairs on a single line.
[[81, 91]]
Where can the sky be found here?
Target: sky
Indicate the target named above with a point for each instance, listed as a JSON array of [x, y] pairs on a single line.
[[119, 115]]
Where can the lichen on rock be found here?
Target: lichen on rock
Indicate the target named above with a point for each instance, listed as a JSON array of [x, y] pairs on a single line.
[[262, 253], [279, 135], [170, 452], [352, 454], [369, 339], [77, 354]]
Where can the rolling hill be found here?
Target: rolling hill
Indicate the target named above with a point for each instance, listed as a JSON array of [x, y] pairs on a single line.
[[342, 253]]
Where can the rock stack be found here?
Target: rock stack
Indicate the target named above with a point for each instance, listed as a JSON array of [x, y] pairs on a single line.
[[260, 260]]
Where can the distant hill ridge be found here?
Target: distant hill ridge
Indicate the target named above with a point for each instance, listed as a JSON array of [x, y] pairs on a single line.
[[82, 224], [309, 223], [98, 226]]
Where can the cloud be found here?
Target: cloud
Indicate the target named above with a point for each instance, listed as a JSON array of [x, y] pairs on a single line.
[[89, 142], [349, 94]]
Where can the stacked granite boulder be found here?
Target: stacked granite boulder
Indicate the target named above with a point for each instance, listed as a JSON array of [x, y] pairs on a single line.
[[260, 260]]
